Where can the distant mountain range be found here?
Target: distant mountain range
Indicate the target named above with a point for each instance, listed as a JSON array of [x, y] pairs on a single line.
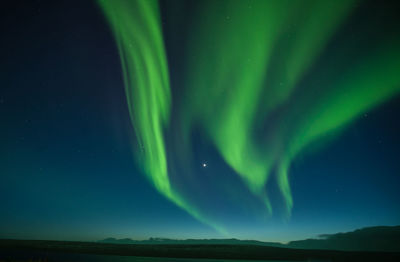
[[167, 241], [381, 238]]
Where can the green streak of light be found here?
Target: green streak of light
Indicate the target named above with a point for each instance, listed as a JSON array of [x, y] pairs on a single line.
[[137, 30], [233, 44]]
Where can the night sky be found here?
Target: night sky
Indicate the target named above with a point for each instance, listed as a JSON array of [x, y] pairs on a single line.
[[267, 120]]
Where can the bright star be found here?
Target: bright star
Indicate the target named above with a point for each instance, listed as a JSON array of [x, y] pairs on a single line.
[[204, 165]]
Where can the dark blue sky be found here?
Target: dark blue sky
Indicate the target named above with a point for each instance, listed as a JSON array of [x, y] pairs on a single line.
[[66, 162]]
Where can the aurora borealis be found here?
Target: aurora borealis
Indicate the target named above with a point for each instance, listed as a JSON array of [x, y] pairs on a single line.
[[228, 93], [231, 118]]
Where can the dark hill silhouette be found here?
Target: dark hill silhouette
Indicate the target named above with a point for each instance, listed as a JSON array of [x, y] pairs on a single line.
[[381, 238]]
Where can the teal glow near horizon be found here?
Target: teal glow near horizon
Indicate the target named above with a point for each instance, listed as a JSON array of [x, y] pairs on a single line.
[[246, 87]]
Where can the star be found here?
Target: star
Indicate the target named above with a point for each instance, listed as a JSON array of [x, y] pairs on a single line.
[[204, 164]]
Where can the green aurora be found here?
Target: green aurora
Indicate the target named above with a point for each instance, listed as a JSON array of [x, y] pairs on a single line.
[[246, 87], [138, 34]]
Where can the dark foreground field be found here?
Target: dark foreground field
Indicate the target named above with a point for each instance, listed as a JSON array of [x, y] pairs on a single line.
[[23, 250]]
